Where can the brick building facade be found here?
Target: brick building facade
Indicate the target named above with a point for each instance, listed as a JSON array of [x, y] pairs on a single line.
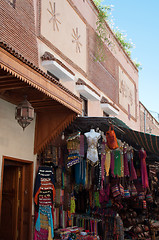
[[47, 53], [148, 123], [17, 21]]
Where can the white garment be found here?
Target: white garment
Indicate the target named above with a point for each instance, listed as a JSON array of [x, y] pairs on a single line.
[[92, 141]]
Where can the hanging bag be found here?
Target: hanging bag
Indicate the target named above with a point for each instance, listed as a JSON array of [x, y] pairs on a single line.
[[133, 190], [121, 189], [149, 197], [115, 191], [111, 138]]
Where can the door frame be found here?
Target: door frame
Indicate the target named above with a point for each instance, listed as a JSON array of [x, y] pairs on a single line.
[[21, 162]]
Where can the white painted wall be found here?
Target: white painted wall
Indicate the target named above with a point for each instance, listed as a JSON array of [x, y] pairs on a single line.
[[14, 142]]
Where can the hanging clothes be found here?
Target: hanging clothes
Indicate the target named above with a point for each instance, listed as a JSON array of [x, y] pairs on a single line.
[[44, 181], [112, 164], [126, 166], [107, 161], [43, 222], [144, 176], [117, 163], [103, 158], [92, 141], [133, 174], [122, 163], [80, 172], [44, 195]]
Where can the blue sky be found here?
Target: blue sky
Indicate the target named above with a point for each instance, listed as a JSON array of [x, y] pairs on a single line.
[[139, 19]]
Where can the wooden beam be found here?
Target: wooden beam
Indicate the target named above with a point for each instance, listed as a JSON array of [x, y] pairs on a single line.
[[10, 80], [47, 106], [13, 87], [6, 76]]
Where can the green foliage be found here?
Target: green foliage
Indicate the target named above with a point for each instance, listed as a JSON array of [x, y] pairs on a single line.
[[104, 15], [101, 31], [127, 45], [138, 65]]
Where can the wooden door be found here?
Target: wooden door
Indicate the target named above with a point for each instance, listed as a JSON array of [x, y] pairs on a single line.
[[9, 211], [16, 205]]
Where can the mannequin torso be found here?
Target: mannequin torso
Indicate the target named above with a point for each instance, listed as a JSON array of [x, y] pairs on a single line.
[[92, 140]]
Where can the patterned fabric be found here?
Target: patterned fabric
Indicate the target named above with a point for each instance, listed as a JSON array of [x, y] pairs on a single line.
[[115, 191], [121, 189], [44, 195], [49, 221], [73, 159], [119, 228], [44, 181], [41, 235], [126, 193], [122, 164]]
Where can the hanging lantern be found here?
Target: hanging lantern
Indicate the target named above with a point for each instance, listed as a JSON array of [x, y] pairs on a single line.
[[24, 113]]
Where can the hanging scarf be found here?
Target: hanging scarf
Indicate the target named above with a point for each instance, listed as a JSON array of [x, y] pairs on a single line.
[[107, 161], [117, 163], [133, 175], [81, 146], [122, 164], [47, 212], [126, 167], [103, 159], [144, 176], [73, 205], [112, 164]]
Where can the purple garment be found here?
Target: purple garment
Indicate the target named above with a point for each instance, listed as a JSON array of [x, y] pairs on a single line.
[[126, 167], [102, 165], [112, 164]]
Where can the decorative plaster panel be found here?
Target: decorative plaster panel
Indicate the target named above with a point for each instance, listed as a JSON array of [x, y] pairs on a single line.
[[63, 28], [127, 93]]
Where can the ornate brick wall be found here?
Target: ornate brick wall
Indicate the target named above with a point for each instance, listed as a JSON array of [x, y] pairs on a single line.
[[104, 75], [18, 27]]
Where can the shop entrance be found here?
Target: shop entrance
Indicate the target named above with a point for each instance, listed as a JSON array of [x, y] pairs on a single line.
[[16, 200]]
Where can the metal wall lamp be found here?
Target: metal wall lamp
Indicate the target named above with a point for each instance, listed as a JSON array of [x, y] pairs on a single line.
[[24, 113]]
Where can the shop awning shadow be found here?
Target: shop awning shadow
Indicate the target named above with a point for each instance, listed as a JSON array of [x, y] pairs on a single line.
[[134, 138]]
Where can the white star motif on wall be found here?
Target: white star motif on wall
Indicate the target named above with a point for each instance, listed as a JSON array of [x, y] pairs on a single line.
[[76, 40], [54, 16]]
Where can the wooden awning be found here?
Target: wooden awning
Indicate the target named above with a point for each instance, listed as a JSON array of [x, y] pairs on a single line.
[[35, 78], [55, 106]]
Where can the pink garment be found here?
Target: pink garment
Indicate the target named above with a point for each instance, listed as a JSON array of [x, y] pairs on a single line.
[[41, 235], [133, 171], [144, 176], [126, 167]]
